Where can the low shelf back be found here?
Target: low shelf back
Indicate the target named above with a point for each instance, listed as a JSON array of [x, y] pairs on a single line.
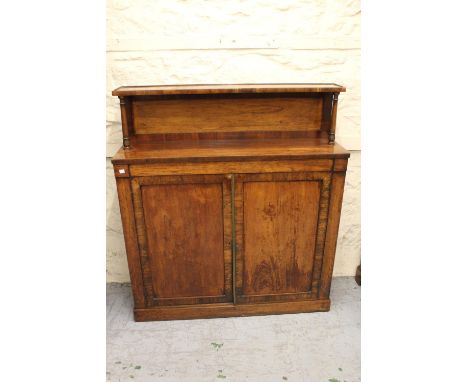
[[166, 117]]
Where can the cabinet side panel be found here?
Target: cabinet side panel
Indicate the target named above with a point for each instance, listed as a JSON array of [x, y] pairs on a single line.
[[131, 241], [280, 224], [184, 225], [336, 198]]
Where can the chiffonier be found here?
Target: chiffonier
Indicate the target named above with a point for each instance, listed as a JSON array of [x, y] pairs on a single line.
[[230, 197]]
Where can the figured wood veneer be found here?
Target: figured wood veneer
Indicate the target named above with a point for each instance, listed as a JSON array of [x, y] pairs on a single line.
[[207, 115], [160, 113], [230, 167], [226, 89], [186, 258], [230, 197], [280, 224], [230, 310], [230, 150]]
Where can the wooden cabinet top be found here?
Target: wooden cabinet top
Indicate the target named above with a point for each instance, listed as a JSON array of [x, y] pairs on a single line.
[[125, 91]]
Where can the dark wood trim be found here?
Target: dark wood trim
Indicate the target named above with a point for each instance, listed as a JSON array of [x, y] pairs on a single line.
[[321, 233], [131, 241], [239, 158], [340, 164], [336, 199], [142, 242]]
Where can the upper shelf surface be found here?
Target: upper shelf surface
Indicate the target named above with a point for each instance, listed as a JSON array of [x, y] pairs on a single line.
[[230, 150], [226, 89]]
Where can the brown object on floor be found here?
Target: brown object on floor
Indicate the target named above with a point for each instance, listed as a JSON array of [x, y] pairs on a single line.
[[230, 197], [358, 275]]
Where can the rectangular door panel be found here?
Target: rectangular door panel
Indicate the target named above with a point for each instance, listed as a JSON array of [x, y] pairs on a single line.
[[280, 231], [280, 222], [184, 225]]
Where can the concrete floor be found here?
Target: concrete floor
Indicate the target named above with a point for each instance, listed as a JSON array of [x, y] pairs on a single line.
[[312, 347]]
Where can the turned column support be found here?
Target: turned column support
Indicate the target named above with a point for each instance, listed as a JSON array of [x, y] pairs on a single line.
[[334, 108], [124, 112]]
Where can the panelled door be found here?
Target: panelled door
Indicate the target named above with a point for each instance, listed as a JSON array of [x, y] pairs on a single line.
[[280, 227], [184, 235]]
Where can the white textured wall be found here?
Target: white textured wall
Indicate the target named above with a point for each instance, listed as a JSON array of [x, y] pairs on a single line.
[[196, 41]]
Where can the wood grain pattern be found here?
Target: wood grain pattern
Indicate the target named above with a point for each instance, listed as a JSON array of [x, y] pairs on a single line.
[[325, 180], [242, 111], [326, 113], [230, 150], [340, 165], [230, 198], [185, 237], [127, 120], [228, 238], [230, 167], [229, 310], [336, 199], [131, 240], [280, 222], [184, 225], [142, 241], [275, 250], [238, 223], [226, 89], [226, 115], [227, 136]]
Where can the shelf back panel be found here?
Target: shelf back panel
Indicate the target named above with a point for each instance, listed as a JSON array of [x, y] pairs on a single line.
[[235, 114]]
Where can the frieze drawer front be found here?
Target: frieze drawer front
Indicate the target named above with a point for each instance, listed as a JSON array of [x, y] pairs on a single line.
[[230, 197]]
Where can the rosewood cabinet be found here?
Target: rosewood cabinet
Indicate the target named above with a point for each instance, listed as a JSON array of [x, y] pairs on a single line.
[[230, 197]]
